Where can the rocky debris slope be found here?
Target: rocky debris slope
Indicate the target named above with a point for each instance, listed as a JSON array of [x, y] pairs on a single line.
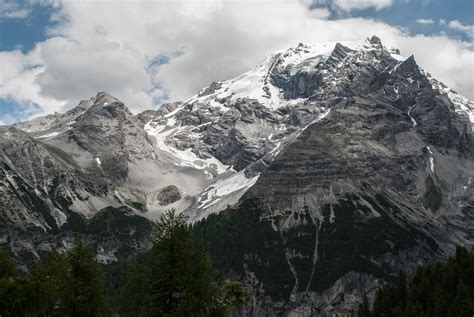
[[60, 178]]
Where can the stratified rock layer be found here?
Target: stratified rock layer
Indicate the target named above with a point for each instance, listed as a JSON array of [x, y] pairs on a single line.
[[314, 177]]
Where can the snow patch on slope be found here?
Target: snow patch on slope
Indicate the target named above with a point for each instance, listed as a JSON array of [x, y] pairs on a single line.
[[319, 118], [432, 166], [183, 158], [412, 119], [225, 187], [223, 193], [462, 103], [48, 135]]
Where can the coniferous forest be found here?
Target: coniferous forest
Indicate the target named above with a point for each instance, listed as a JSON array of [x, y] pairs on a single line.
[[176, 278], [436, 290]]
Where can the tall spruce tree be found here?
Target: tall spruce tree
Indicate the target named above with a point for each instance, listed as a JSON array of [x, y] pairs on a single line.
[[48, 279], [435, 290], [7, 265], [83, 288], [175, 277], [67, 284]]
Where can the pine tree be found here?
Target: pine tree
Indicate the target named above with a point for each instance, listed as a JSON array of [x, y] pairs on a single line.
[[364, 309], [175, 277], [83, 290], [410, 310], [68, 284], [435, 290], [439, 308], [462, 305], [133, 299], [15, 290], [232, 296], [48, 279], [180, 277], [7, 265]]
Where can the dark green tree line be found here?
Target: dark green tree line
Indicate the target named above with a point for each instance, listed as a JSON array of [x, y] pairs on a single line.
[[435, 290], [174, 278], [68, 284]]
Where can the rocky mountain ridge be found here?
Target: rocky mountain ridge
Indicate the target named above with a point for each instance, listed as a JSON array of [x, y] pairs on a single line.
[[335, 164]]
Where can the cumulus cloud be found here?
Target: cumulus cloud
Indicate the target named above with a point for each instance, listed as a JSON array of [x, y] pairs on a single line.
[[74, 68], [425, 21], [142, 51], [350, 5], [17, 82], [458, 26]]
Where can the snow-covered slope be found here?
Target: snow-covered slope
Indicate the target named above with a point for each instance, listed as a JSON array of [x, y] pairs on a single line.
[[317, 142], [462, 104], [227, 133], [242, 123]]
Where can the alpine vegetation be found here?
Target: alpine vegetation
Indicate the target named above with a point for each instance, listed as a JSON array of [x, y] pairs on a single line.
[[174, 278]]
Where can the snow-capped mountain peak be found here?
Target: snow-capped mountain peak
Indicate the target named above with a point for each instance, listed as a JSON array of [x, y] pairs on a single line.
[[258, 84], [317, 144], [237, 127]]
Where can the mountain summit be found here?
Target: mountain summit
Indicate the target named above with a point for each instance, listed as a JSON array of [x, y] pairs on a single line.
[[314, 177]]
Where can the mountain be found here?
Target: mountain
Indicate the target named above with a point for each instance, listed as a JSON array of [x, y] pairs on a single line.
[[314, 177]]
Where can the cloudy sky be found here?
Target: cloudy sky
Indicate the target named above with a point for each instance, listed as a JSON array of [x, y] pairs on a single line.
[[54, 53]]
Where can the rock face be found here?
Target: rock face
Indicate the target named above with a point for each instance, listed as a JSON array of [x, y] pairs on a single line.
[[379, 183], [168, 195], [64, 175], [314, 177]]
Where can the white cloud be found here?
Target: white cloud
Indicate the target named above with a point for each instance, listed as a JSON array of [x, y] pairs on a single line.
[[458, 26], [320, 13], [108, 46], [12, 10], [447, 60], [425, 21], [81, 68], [350, 5], [17, 82]]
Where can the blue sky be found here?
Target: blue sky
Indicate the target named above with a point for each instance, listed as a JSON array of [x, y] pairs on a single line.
[[104, 55], [23, 33], [406, 14]]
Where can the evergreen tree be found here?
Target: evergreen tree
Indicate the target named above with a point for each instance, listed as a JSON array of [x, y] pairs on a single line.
[[7, 265], [231, 295], [364, 309], [439, 309], [462, 305], [48, 279], [83, 289], [134, 299], [68, 284], [435, 290], [410, 310], [180, 279], [16, 291], [175, 277]]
